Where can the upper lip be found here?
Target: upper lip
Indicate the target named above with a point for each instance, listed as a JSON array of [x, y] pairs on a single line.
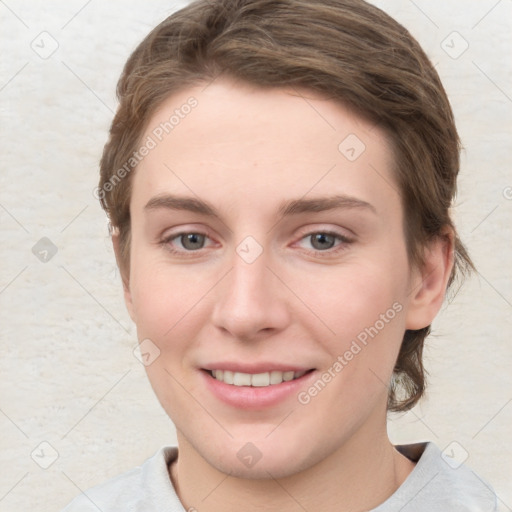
[[253, 368]]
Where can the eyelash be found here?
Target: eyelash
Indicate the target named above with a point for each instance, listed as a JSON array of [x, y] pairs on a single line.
[[340, 247]]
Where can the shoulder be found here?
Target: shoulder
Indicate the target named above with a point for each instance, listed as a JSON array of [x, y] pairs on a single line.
[[440, 481], [145, 488]]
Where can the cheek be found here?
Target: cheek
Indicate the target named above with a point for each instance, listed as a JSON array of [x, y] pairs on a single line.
[[169, 312], [165, 301], [163, 294], [363, 305], [351, 298]]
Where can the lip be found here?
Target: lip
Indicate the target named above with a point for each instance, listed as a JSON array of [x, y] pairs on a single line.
[[254, 398]]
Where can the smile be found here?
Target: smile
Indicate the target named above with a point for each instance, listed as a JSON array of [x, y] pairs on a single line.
[[258, 390], [259, 380]]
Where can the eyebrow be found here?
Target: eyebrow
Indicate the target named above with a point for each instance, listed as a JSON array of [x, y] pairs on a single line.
[[288, 208]]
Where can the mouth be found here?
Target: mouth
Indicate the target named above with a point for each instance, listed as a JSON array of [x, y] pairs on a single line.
[[257, 380], [258, 390]]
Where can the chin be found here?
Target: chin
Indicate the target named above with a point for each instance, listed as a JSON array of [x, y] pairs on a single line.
[[268, 467], [264, 458]]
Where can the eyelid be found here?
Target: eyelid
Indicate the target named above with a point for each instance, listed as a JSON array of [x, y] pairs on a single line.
[[306, 232], [343, 239], [166, 239], [185, 230], [337, 231]]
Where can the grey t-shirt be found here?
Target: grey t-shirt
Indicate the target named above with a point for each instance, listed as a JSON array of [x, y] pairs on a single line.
[[436, 484]]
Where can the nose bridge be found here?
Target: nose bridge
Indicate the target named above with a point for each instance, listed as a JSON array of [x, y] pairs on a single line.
[[249, 272], [248, 300], [248, 285]]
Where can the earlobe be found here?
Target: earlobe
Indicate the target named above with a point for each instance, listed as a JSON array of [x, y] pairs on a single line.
[[124, 271], [430, 282]]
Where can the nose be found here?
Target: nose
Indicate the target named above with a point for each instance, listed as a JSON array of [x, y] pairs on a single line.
[[251, 301]]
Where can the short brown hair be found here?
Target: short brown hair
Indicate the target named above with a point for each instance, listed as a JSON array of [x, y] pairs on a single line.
[[349, 51]]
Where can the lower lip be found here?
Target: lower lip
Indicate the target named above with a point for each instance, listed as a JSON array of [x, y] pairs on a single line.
[[251, 397]]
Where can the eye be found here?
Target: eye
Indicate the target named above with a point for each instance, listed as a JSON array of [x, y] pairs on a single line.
[[189, 241], [324, 241], [320, 241]]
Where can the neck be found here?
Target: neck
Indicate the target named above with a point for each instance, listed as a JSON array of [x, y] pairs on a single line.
[[359, 476]]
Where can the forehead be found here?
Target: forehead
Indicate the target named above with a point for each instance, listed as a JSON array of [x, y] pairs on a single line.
[[256, 144]]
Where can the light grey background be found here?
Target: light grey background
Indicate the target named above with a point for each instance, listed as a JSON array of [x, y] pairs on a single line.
[[68, 376]]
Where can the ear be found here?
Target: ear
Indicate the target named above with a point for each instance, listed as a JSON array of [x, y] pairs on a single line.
[[428, 285], [125, 274]]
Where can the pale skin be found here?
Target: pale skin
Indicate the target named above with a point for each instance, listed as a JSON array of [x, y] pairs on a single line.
[[245, 151]]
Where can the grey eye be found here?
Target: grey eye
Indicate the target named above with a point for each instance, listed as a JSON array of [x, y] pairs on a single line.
[[192, 241], [322, 241]]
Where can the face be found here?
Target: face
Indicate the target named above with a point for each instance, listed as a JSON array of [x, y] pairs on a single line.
[[269, 273]]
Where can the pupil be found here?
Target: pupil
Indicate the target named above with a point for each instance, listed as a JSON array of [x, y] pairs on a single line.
[[191, 239], [323, 239]]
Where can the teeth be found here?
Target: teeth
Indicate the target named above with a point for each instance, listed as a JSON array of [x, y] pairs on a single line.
[[255, 379], [241, 379], [260, 380], [276, 377], [288, 376]]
